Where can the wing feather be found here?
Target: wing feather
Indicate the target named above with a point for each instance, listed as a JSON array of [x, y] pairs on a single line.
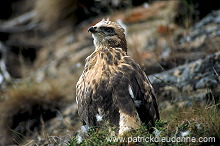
[[147, 95], [121, 94], [144, 100]]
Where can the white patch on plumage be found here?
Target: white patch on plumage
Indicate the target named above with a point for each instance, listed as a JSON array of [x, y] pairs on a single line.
[[124, 129], [155, 116], [84, 129], [185, 133], [157, 132], [98, 117], [130, 91], [76, 100], [122, 124], [137, 103], [79, 139], [127, 122]]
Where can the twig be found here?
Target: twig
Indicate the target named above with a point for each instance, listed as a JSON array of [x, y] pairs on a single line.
[[24, 18], [17, 24], [18, 29], [216, 74]]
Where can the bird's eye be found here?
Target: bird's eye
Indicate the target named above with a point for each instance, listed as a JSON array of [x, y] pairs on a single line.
[[108, 29]]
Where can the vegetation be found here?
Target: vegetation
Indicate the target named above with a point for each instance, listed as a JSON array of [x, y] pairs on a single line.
[[25, 107], [196, 125]]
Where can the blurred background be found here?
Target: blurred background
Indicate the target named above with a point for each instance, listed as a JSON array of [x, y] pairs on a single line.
[[44, 43]]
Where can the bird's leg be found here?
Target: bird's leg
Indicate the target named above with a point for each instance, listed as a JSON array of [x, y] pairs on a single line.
[[128, 123]]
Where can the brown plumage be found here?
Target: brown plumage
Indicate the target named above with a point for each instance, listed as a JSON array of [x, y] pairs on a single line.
[[113, 89]]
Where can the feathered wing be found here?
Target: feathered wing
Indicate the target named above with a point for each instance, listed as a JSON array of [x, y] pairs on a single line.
[[133, 92], [148, 108]]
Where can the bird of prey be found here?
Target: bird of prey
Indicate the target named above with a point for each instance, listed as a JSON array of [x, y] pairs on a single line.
[[113, 89]]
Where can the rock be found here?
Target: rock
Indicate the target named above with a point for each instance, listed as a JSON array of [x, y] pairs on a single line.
[[187, 59], [198, 79], [205, 28], [201, 40], [188, 78], [198, 73]]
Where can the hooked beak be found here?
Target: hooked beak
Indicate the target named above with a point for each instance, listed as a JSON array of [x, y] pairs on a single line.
[[92, 30]]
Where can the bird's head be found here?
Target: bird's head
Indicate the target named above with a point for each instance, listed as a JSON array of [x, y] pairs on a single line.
[[108, 33]]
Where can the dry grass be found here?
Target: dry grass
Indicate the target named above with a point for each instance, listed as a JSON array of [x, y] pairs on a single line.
[[25, 107], [201, 120]]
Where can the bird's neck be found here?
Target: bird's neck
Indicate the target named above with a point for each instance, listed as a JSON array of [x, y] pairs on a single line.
[[111, 43], [103, 56]]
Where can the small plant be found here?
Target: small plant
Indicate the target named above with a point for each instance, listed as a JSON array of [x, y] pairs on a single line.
[[187, 126], [106, 136]]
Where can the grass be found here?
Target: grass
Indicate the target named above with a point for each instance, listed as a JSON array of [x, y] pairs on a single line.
[[191, 124], [196, 121], [25, 106]]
